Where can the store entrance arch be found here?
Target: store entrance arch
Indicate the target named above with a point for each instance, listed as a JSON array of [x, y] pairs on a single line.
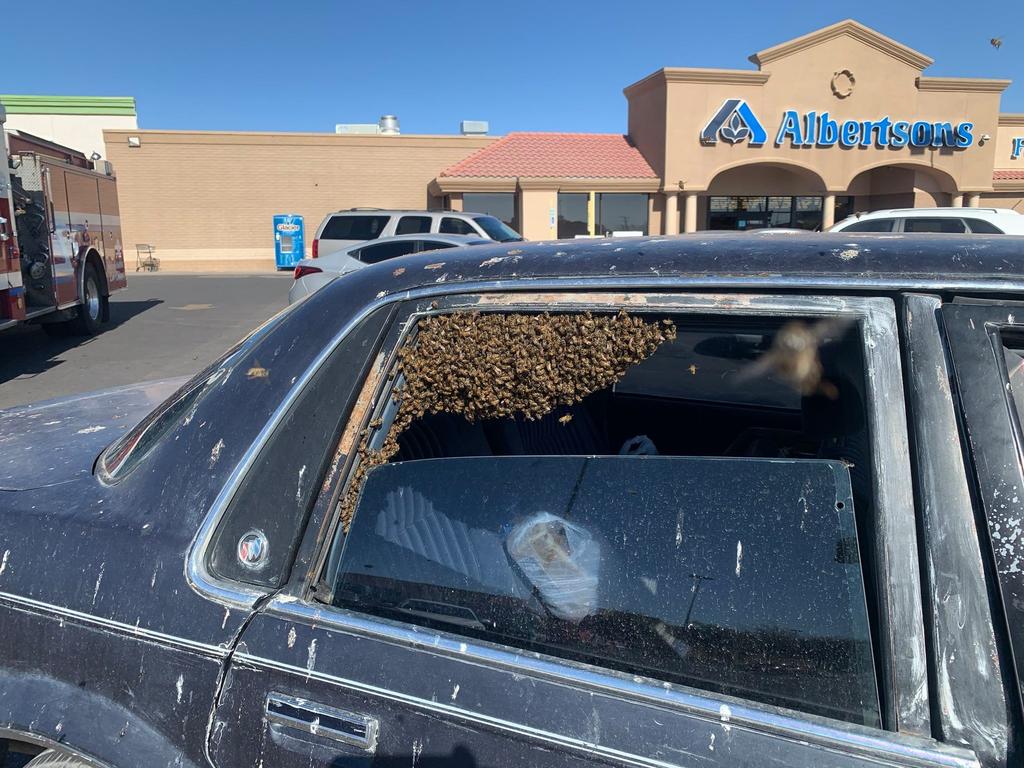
[[901, 185], [762, 195]]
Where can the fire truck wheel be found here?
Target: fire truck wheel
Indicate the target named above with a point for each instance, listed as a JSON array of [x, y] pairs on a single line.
[[90, 313]]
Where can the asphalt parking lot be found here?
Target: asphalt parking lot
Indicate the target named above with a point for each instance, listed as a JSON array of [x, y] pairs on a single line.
[[161, 326]]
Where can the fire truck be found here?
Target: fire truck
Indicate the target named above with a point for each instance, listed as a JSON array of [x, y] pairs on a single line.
[[61, 254]]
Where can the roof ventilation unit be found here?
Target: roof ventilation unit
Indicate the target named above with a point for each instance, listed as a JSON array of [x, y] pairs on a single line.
[[389, 125], [474, 127]]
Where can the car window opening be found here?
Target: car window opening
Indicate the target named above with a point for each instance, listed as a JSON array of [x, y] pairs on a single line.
[[532, 471]]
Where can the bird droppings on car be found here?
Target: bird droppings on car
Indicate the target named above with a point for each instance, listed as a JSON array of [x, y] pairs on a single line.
[[494, 365]]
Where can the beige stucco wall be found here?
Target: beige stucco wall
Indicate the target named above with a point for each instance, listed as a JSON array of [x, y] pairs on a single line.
[[81, 132], [535, 213], [1010, 127], [206, 199]]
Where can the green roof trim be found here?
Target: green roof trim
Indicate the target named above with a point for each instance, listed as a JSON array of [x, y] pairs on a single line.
[[18, 104]]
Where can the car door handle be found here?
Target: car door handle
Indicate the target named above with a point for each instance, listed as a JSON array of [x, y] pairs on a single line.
[[307, 717]]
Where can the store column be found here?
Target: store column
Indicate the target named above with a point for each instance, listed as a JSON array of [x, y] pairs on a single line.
[[973, 199], [828, 211], [671, 213], [958, 200], [689, 212]]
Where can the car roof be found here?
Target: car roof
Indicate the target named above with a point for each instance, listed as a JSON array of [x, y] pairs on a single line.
[[934, 212], [816, 261], [457, 239], [398, 211]]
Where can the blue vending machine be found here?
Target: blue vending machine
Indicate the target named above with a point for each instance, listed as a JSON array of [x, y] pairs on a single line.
[[289, 240]]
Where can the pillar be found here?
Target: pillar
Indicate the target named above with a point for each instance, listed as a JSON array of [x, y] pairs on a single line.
[[455, 201], [958, 200], [973, 199], [671, 213], [828, 211], [690, 212]]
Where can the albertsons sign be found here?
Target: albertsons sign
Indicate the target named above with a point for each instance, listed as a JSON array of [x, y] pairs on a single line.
[[735, 121]]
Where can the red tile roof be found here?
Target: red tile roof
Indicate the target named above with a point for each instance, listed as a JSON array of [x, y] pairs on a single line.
[[556, 155], [1011, 175]]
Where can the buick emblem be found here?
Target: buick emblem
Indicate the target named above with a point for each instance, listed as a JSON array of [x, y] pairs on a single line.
[[252, 549]]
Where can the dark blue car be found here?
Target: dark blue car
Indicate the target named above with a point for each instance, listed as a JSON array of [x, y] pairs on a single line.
[[707, 500]]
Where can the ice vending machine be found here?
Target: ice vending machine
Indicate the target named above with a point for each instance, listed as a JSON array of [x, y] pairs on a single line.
[[289, 240]]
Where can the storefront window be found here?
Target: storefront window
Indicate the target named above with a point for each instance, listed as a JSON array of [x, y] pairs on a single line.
[[572, 214], [500, 205], [758, 212], [620, 213]]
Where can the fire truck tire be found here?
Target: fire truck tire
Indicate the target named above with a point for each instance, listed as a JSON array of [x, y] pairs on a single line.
[[92, 309]]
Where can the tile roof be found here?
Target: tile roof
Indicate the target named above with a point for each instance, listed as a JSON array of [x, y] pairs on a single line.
[[1009, 175], [556, 155]]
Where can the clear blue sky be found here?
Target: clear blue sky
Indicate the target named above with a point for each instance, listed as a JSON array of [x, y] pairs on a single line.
[[521, 64]]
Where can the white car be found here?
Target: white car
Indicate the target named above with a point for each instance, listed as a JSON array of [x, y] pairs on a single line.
[[342, 229], [311, 274], [984, 221]]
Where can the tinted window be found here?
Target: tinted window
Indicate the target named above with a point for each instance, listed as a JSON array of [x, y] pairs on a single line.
[[871, 225], [371, 254], [500, 205], [621, 213], [413, 225], [349, 227], [981, 226], [946, 225], [572, 214], [453, 226], [497, 230], [434, 245], [739, 576]]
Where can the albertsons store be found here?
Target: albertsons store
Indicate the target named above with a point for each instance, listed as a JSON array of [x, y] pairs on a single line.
[[838, 121]]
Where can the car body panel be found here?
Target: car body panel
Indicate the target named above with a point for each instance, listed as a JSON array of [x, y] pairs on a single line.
[[71, 432]]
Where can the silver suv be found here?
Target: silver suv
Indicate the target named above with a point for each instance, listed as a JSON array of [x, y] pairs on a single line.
[[341, 229]]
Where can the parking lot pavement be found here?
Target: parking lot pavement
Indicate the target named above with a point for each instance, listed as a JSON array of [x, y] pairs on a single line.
[[161, 326]]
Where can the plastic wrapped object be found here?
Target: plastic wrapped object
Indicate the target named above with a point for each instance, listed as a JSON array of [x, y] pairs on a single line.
[[562, 561], [641, 445]]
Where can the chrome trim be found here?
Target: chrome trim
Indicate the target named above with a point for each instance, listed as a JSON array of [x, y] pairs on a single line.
[[69, 304], [369, 726], [847, 738], [216, 651]]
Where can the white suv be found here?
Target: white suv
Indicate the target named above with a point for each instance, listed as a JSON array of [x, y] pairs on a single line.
[[984, 221], [341, 229]]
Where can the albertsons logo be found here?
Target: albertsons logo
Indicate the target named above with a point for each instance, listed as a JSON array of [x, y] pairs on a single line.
[[734, 122]]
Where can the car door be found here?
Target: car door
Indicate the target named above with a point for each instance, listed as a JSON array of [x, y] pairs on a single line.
[[987, 344], [321, 677]]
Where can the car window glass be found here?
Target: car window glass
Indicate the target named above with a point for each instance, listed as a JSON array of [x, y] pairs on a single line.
[[372, 254], [520, 392], [453, 226], [413, 225], [354, 227], [871, 225], [980, 226], [496, 229], [734, 575], [435, 245], [945, 224]]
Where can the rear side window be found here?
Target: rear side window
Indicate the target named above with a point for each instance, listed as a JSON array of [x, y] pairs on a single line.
[[663, 501], [944, 225], [372, 254], [453, 226], [347, 227], [980, 226], [413, 225], [871, 225]]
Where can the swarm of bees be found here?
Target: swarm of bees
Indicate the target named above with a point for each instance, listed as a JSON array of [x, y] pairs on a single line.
[[497, 365]]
